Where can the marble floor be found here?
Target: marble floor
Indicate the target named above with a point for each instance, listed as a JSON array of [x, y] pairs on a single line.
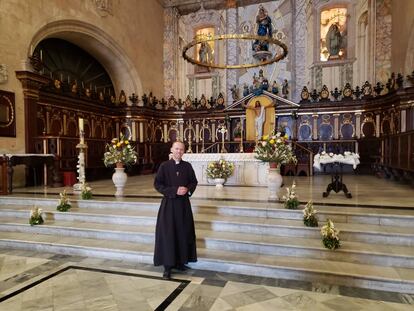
[[365, 190], [42, 281]]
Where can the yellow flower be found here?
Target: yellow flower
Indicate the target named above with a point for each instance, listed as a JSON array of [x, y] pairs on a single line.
[[118, 144], [265, 137], [272, 141], [126, 142], [286, 136]]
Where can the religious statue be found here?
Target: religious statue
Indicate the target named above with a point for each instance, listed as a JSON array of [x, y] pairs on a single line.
[[245, 90], [205, 54], [234, 92], [333, 40], [285, 88], [275, 88], [259, 119], [264, 23]]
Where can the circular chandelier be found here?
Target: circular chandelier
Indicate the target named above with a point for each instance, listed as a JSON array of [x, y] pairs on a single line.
[[277, 57]]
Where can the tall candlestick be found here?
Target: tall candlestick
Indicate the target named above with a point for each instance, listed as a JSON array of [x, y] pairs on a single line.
[[80, 124], [41, 55]]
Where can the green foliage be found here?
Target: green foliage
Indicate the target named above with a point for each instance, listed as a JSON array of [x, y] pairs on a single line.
[[119, 151], [330, 236], [311, 221], [36, 217], [275, 148], [309, 215], [220, 169], [291, 200], [63, 207], [63, 204]]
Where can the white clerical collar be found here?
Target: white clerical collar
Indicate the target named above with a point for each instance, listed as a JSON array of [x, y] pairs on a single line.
[[177, 161]]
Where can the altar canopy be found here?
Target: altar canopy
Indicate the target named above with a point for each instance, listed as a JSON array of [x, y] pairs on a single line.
[[248, 171]]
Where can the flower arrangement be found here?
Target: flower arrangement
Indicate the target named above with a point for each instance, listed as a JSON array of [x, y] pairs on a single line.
[[220, 169], [63, 203], [86, 192], [275, 148], [36, 216], [291, 200], [309, 215], [119, 151], [330, 236]]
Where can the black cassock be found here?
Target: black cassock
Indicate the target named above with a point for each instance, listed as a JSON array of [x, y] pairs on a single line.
[[175, 240]]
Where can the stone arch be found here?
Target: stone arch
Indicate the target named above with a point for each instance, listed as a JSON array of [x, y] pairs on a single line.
[[409, 56], [100, 45]]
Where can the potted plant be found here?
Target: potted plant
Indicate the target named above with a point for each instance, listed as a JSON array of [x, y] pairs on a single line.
[[276, 150], [36, 217], [291, 200], [63, 203], [219, 171], [330, 236], [309, 215], [119, 153]]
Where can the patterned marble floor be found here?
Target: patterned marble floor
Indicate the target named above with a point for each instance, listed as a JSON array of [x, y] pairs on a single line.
[[42, 281]]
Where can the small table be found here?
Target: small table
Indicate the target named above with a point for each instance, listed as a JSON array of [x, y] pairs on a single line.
[[31, 160], [336, 162]]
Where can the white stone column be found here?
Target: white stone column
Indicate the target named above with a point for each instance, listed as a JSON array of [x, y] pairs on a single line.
[[377, 125], [299, 49], [358, 125], [403, 120], [165, 132], [336, 126], [134, 131], [315, 126], [141, 132], [171, 52], [231, 52]]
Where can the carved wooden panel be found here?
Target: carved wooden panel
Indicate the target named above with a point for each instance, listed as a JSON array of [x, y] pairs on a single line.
[[7, 114]]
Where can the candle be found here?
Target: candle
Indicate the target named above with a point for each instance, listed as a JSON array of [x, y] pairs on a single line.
[[41, 55], [61, 77], [31, 49], [80, 124]]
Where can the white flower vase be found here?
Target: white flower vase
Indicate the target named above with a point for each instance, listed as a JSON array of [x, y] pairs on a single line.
[[219, 182], [119, 179], [274, 181]]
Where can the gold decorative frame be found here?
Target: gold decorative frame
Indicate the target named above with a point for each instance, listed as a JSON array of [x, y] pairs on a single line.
[[274, 59]]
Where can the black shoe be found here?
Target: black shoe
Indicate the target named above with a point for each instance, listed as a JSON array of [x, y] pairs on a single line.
[[182, 267], [167, 274]]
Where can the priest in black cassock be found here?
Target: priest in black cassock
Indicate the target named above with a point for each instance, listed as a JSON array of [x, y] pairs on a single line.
[[175, 240]]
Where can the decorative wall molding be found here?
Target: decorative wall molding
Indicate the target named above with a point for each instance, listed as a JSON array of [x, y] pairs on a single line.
[[4, 77]]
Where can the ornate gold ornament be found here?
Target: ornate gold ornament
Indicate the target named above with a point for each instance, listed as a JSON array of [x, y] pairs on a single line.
[[277, 57]]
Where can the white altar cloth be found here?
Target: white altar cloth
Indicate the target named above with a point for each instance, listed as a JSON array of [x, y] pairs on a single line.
[[348, 157], [248, 171]]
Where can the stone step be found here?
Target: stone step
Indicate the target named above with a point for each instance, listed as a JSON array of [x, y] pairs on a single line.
[[285, 267], [374, 216], [386, 255], [368, 233]]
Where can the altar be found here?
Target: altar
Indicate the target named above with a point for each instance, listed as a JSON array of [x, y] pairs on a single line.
[[248, 171]]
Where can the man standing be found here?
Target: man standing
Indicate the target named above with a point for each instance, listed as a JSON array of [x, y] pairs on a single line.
[[175, 240]]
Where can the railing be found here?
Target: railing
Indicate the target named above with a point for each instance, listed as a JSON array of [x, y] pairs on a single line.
[[397, 151], [310, 163]]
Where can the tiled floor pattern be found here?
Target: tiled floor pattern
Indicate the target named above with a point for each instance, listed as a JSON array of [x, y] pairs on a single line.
[[79, 283]]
